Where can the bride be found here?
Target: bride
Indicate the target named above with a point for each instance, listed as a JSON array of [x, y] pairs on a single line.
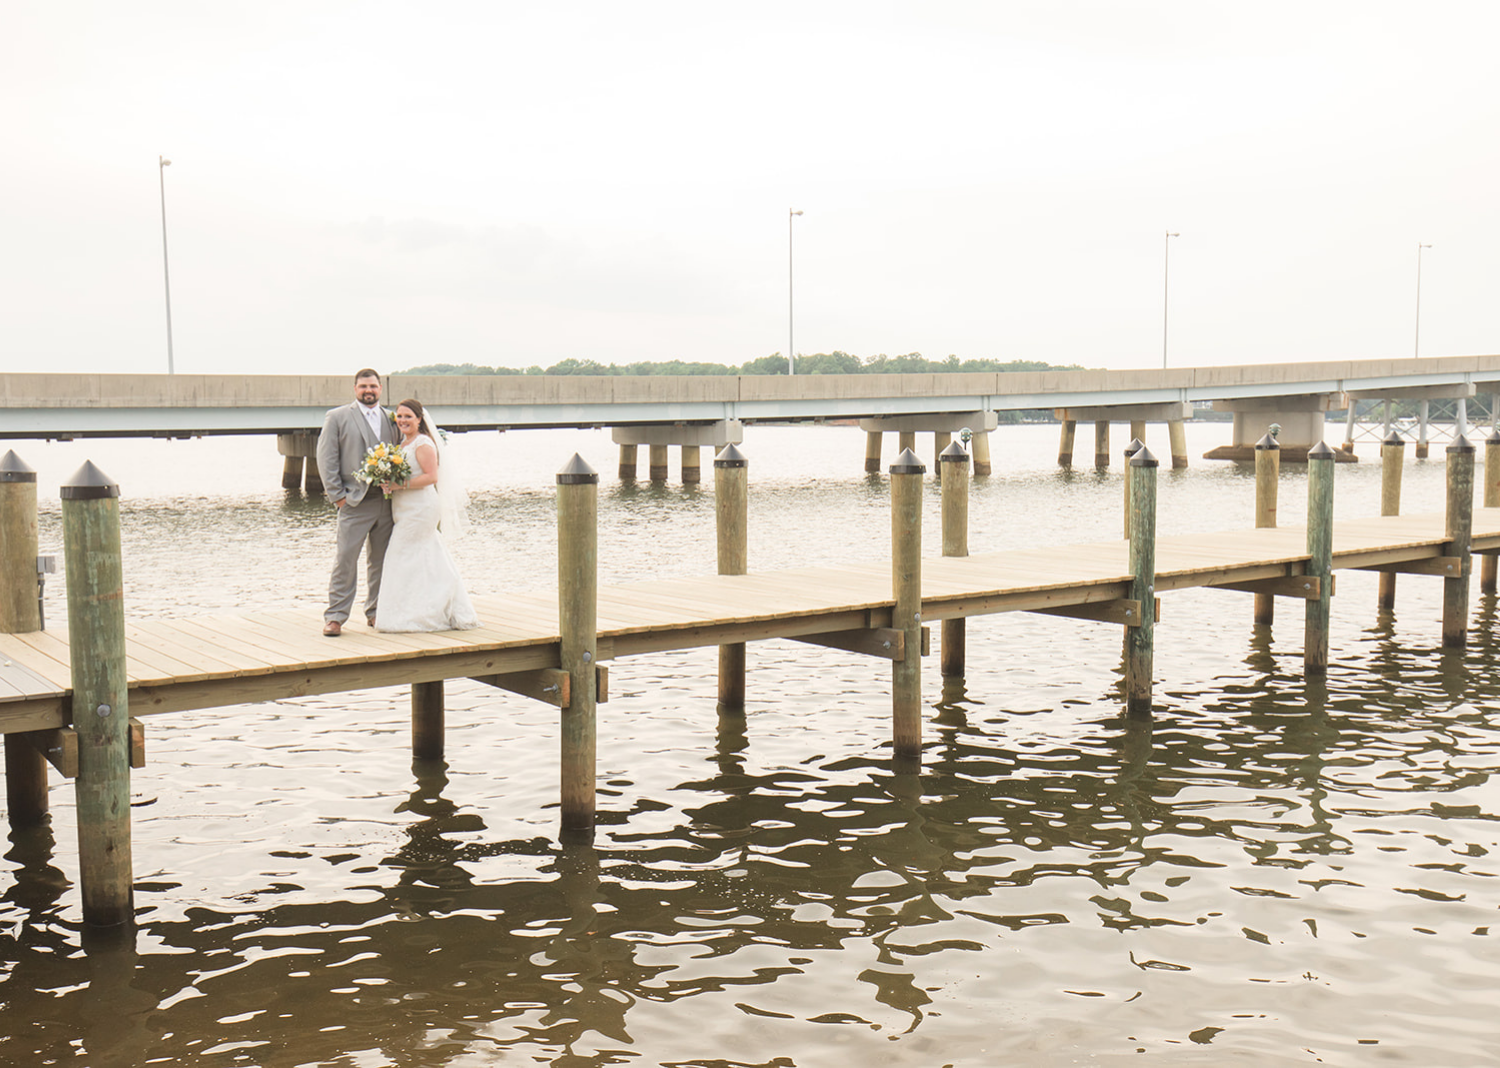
[[421, 590]]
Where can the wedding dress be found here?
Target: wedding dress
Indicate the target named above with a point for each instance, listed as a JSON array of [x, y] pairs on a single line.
[[421, 590]]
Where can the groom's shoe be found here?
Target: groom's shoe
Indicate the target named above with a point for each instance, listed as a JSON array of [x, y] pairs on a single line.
[[332, 629], [370, 620]]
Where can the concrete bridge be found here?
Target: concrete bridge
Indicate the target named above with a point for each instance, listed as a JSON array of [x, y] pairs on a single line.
[[692, 412]]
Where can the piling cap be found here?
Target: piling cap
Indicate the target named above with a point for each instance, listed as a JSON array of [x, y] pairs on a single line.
[[14, 469], [1494, 438], [1268, 442], [1143, 458], [1321, 451], [730, 456], [1393, 438], [1135, 446], [954, 453], [1460, 444], [908, 464], [577, 472], [89, 483]]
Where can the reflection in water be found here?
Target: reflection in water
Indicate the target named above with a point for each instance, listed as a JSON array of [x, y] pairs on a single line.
[[1272, 870]]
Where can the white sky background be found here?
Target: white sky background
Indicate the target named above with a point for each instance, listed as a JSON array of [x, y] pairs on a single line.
[[517, 183]]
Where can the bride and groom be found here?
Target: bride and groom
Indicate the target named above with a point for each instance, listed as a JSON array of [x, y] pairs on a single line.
[[422, 591]]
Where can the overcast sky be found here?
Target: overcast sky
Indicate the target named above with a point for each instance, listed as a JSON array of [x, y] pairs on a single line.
[[518, 183]]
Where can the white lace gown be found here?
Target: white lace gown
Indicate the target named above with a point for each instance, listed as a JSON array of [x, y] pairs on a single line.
[[421, 590]]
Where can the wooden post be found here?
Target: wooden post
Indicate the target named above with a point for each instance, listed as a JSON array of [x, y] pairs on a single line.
[[20, 613], [1320, 468], [981, 452], [1267, 481], [1177, 439], [427, 720], [872, 452], [732, 520], [955, 481], [1392, 459], [906, 590], [941, 439], [628, 455], [1135, 446], [1487, 566], [1065, 444], [1140, 648], [692, 465], [578, 612], [101, 715], [657, 463], [1460, 524], [1101, 443]]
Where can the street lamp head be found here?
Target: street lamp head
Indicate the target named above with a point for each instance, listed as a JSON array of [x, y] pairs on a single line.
[[1173, 233], [164, 162], [796, 212]]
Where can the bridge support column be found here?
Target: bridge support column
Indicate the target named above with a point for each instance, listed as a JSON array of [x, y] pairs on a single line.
[[872, 452], [954, 463], [906, 441], [941, 425], [1177, 440], [1423, 410], [1487, 568], [1392, 460], [1267, 483], [657, 465], [427, 720], [659, 437], [1298, 423], [1065, 443], [692, 465], [1140, 639], [1320, 463], [578, 614], [1460, 526], [906, 616], [300, 450], [20, 613], [1138, 430], [941, 439], [628, 462], [101, 715], [732, 522], [981, 452], [1101, 444]]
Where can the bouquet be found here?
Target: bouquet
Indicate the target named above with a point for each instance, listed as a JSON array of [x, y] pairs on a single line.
[[384, 463]]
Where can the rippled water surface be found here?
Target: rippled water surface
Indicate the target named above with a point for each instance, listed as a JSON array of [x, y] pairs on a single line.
[[1274, 871]]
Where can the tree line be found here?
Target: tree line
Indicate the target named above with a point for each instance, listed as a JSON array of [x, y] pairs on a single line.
[[820, 363]]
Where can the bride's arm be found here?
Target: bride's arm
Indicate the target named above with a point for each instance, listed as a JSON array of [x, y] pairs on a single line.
[[426, 456]]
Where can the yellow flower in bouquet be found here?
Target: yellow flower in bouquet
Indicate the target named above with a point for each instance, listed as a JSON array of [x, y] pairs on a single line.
[[383, 463]]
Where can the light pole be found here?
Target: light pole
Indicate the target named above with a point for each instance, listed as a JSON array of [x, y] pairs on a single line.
[[162, 163], [1166, 275], [1417, 340], [791, 367]]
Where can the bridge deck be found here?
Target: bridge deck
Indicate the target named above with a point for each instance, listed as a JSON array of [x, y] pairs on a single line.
[[210, 661]]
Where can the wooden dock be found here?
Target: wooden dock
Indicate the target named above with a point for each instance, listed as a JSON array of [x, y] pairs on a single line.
[[176, 664]]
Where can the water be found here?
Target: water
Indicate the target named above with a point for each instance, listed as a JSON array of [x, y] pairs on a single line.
[[1275, 872]]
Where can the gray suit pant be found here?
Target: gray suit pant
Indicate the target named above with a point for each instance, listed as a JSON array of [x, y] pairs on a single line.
[[370, 522]]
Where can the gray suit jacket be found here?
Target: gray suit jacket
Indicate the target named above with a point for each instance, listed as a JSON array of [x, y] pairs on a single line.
[[345, 439]]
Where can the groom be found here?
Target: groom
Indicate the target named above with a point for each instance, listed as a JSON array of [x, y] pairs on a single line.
[[364, 512]]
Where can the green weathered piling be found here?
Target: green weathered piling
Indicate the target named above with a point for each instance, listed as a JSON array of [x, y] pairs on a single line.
[[906, 588], [96, 636], [578, 613], [954, 463], [1460, 526], [20, 613], [1320, 468], [732, 522], [1140, 639], [1487, 567]]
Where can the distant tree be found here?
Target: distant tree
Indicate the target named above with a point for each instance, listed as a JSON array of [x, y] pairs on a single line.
[[817, 363], [774, 364]]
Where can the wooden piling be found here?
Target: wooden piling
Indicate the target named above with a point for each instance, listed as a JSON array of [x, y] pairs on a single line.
[[1177, 439], [1320, 468], [1135, 446], [1460, 526], [101, 715], [1065, 443], [1392, 460], [872, 452], [1140, 648], [1101, 443], [732, 522], [657, 463], [906, 589], [427, 720], [981, 453], [20, 613], [1487, 567], [628, 460], [692, 465], [954, 463], [577, 609], [1267, 481]]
